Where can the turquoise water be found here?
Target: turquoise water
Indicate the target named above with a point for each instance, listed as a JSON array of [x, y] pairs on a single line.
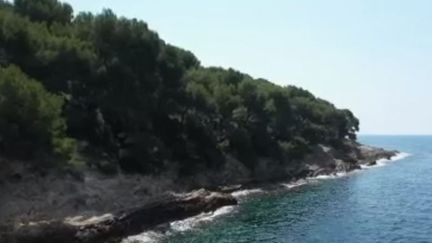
[[392, 203]]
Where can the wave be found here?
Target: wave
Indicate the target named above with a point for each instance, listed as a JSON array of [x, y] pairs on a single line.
[[383, 162], [309, 180], [244, 193], [189, 223], [295, 184], [379, 163], [178, 226], [400, 156], [146, 237], [331, 176]]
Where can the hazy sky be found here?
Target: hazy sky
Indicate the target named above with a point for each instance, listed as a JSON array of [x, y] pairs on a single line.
[[373, 57]]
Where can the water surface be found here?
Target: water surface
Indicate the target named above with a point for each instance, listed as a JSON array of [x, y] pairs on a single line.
[[392, 203]]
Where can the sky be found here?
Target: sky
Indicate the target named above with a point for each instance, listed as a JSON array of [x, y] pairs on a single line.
[[373, 57]]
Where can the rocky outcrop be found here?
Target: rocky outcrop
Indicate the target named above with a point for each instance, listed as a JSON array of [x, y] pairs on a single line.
[[369, 155], [111, 228], [324, 160]]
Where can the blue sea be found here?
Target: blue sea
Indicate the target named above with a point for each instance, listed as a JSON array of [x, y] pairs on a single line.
[[387, 203]]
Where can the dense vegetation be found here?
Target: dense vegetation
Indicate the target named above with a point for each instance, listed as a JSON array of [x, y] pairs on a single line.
[[112, 87]]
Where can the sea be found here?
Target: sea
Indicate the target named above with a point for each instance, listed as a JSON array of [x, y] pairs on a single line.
[[388, 202]]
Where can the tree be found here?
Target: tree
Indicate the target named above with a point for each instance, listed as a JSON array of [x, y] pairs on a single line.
[[30, 117], [49, 11], [349, 124]]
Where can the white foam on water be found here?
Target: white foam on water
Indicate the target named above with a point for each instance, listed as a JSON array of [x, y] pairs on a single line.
[[365, 166], [327, 177], [379, 163], [244, 193], [315, 179], [145, 237], [295, 184], [178, 226], [189, 223], [400, 156], [383, 162]]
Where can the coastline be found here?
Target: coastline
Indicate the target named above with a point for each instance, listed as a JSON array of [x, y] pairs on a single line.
[[361, 157], [154, 235]]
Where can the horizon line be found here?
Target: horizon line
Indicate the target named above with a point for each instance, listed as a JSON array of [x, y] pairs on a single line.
[[392, 134]]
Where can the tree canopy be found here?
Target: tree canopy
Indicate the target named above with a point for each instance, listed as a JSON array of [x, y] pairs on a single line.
[[141, 103]]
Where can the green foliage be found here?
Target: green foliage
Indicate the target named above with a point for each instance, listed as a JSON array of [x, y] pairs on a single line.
[[272, 119], [44, 10], [141, 104], [30, 117]]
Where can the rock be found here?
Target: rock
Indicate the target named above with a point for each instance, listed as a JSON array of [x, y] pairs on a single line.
[[322, 171], [371, 163], [302, 173], [109, 228], [370, 154], [46, 232], [345, 166]]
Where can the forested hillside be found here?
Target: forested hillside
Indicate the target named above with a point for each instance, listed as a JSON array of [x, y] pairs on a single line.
[[107, 87]]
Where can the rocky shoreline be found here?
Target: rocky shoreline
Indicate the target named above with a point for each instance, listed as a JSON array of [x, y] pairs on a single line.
[[113, 227]]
